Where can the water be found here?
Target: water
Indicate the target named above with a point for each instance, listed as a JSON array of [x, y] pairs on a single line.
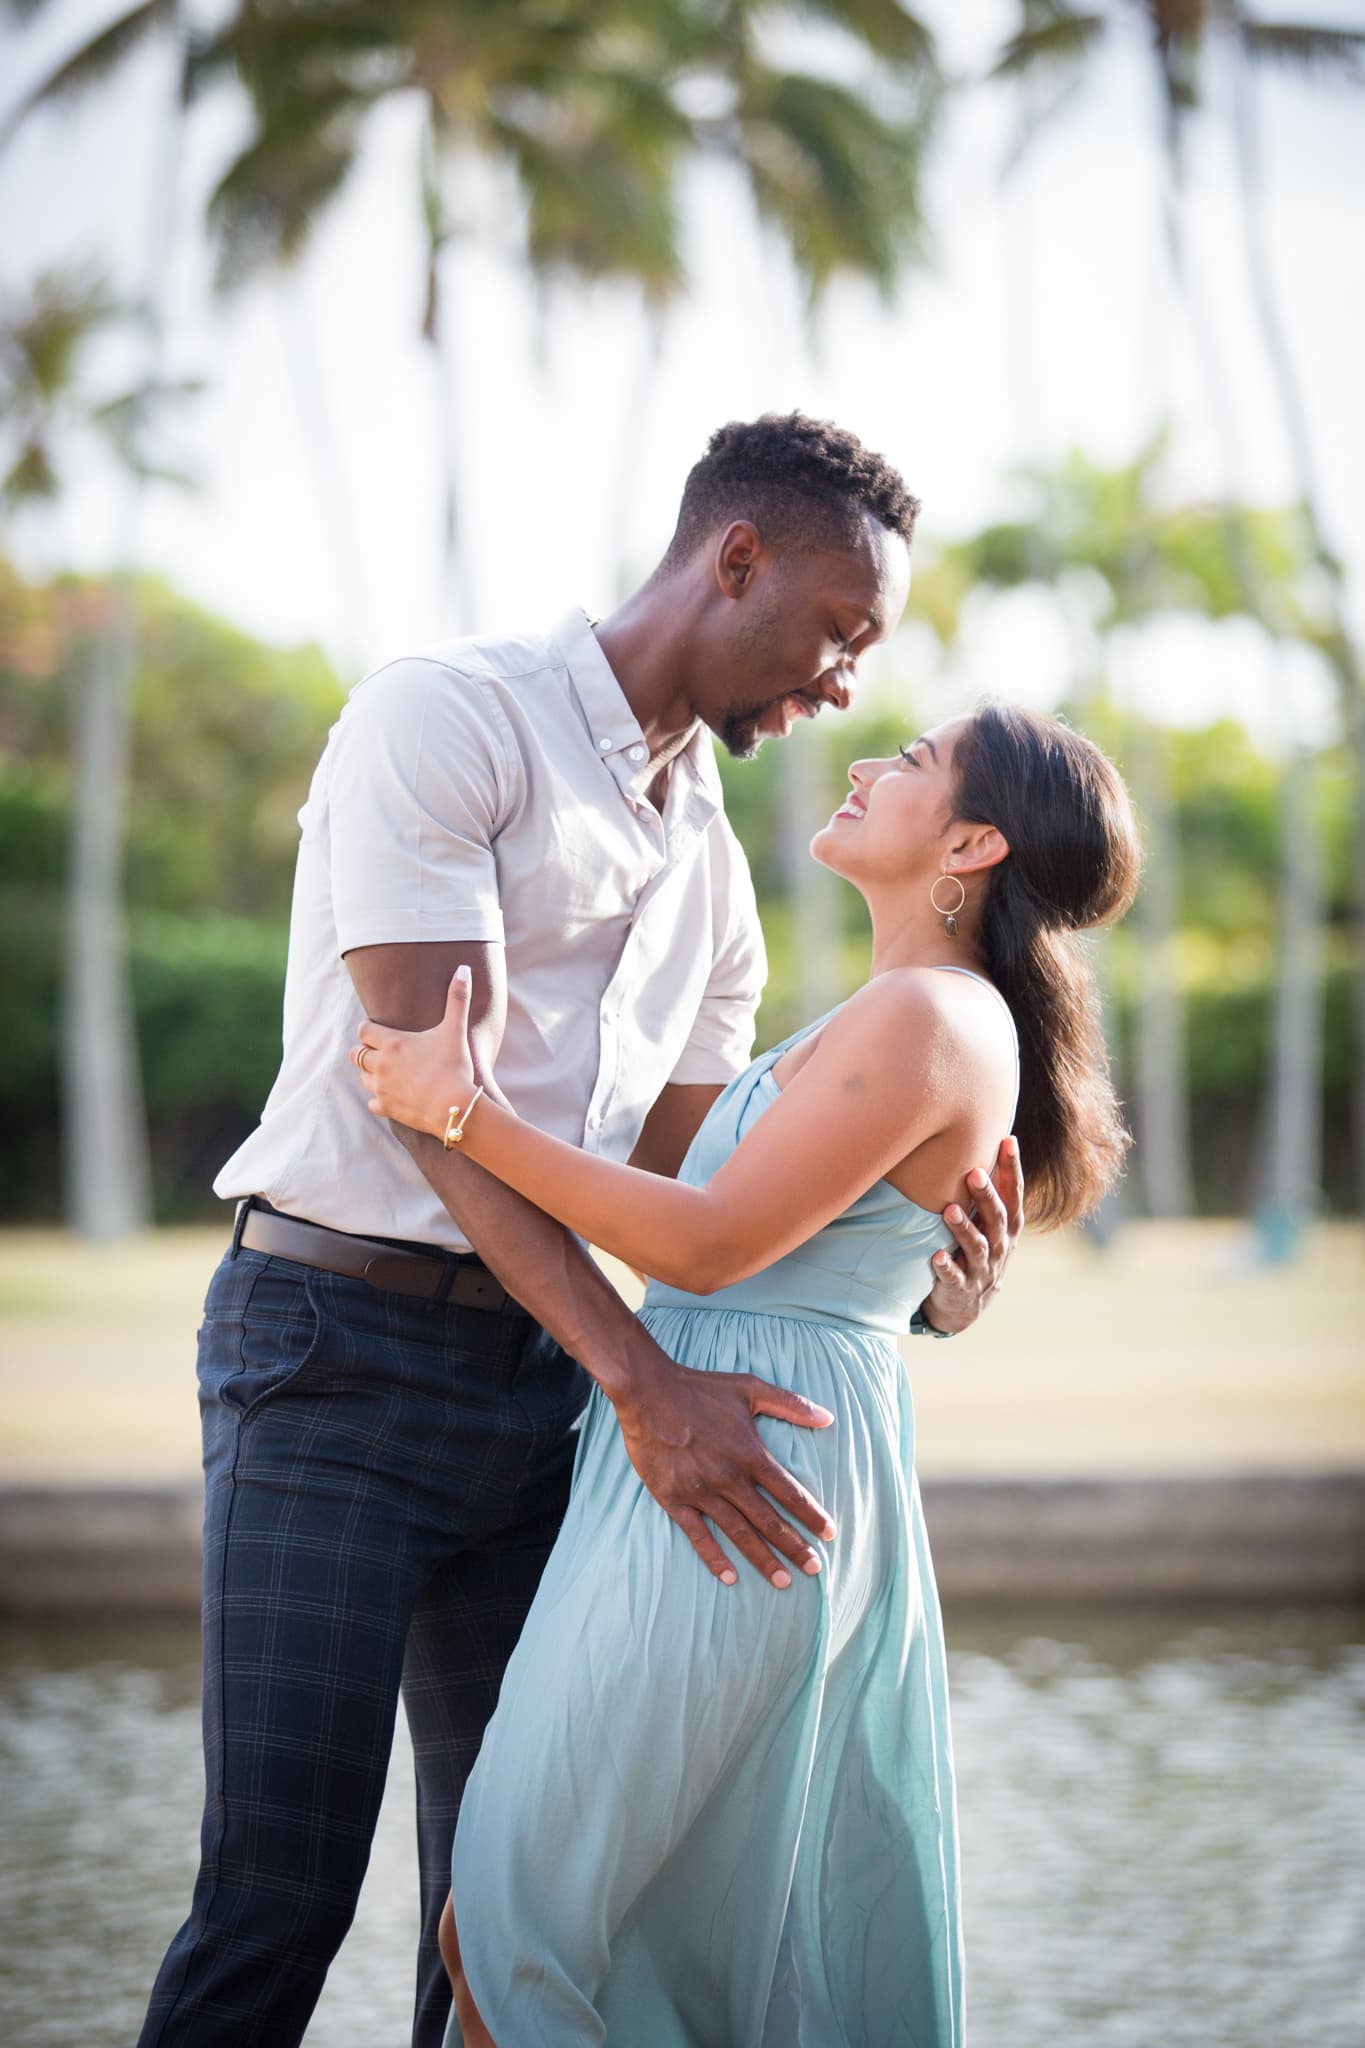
[[1163, 1834]]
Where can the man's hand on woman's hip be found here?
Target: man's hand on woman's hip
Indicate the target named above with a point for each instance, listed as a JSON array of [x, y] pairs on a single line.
[[965, 1280], [692, 1438]]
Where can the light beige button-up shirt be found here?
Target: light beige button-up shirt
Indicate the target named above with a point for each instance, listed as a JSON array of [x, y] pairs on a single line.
[[496, 790]]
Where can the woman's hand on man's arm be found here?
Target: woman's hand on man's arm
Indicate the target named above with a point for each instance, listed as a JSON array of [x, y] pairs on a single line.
[[691, 1436]]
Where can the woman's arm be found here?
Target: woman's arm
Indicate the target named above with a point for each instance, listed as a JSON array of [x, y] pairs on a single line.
[[882, 1079]]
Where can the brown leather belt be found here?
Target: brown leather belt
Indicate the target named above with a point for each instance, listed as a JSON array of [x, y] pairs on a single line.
[[425, 1274]]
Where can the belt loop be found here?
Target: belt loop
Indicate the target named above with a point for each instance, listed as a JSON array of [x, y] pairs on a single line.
[[450, 1268], [244, 1209]]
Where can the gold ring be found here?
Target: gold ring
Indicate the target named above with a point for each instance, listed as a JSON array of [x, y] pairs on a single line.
[[362, 1054]]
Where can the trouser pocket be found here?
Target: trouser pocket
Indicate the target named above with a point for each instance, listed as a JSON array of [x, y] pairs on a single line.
[[263, 1329]]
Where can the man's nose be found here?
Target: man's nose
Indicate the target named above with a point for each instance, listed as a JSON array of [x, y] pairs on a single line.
[[836, 687]]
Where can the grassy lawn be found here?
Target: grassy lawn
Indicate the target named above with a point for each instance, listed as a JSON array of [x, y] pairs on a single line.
[[1171, 1352]]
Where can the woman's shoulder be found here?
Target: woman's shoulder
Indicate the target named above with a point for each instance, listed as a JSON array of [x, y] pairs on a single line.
[[928, 994], [920, 1013]]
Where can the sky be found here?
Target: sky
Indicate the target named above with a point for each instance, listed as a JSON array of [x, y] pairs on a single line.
[[1043, 320]]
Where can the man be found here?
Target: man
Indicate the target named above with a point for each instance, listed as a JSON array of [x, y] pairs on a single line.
[[396, 1348]]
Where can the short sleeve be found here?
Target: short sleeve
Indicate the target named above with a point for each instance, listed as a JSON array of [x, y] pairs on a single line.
[[721, 1041], [421, 774]]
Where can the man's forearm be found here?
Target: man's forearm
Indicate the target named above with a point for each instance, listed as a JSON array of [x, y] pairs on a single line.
[[541, 1265]]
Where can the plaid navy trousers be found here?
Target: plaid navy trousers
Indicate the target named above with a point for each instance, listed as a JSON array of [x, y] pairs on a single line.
[[384, 1480]]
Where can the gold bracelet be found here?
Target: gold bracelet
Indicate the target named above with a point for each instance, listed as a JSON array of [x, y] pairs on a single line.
[[455, 1131]]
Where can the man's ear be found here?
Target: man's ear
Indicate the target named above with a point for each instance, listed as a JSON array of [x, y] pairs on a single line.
[[738, 554], [974, 848]]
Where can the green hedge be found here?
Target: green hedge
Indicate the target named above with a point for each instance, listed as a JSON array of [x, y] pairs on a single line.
[[208, 993]]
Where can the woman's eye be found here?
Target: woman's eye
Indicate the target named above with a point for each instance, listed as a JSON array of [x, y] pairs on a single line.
[[907, 757]]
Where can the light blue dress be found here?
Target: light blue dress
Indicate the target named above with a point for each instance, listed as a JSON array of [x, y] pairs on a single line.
[[723, 1817]]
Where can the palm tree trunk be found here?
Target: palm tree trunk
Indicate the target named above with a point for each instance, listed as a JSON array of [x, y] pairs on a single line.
[[105, 1147], [1293, 1162], [812, 888], [630, 446], [332, 485], [457, 567], [1162, 1105], [1341, 648], [108, 1178]]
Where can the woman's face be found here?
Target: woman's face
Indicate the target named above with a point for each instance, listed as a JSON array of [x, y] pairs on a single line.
[[894, 823]]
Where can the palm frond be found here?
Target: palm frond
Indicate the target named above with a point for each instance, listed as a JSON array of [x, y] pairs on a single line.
[[280, 53], [840, 182], [132, 422], [1036, 119], [882, 26], [1056, 37], [1320, 52], [598, 168], [30, 477], [42, 336], [91, 63], [263, 208]]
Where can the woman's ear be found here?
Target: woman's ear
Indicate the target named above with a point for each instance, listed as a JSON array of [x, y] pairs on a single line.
[[973, 848]]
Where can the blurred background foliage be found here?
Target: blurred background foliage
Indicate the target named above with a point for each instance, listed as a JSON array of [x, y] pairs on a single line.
[[154, 757], [226, 732]]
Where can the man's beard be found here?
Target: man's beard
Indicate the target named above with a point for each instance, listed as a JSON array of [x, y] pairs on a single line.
[[738, 731]]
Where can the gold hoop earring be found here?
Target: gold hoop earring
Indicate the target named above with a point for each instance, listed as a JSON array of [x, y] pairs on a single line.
[[949, 916]]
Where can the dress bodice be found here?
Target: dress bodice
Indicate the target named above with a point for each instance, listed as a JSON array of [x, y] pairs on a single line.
[[869, 1267]]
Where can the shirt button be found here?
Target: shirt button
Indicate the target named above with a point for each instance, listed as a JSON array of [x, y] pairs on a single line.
[[637, 753], [605, 745]]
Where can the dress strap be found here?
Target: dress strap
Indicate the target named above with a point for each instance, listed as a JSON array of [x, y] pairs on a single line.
[[775, 1052]]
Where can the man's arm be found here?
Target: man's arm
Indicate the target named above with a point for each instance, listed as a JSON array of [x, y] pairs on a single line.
[[885, 1070], [691, 1436], [671, 1126]]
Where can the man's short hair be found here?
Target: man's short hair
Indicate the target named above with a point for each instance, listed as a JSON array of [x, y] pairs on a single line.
[[802, 482]]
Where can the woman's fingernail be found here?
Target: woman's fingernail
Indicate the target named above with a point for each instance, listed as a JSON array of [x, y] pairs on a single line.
[[782, 1580], [462, 974]]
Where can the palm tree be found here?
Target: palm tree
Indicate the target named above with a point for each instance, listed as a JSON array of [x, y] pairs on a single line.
[[592, 114], [1154, 562], [46, 415], [588, 115], [111, 1197], [1059, 39]]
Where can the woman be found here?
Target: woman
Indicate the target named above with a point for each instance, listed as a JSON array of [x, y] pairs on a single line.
[[703, 1813]]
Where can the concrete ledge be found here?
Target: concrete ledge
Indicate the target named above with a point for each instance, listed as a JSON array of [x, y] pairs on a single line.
[[100, 1549], [1254, 1536], [1236, 1537]]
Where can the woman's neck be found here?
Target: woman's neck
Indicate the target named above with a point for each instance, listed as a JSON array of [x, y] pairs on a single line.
[[914, 935]]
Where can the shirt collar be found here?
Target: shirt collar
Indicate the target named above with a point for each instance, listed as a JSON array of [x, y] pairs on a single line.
[[613, 729]]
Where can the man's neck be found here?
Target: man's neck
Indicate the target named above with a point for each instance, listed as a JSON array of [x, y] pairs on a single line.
[[646, 642]]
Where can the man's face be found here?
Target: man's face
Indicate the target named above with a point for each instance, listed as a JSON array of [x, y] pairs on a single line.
[[795, 633]]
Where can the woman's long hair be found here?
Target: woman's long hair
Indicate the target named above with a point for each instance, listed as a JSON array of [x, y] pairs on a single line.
[[1074, 863]]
